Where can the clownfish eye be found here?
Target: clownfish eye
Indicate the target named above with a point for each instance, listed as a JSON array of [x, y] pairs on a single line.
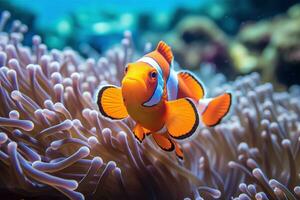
[[153, 74]]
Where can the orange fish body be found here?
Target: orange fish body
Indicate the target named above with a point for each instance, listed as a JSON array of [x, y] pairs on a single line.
[[134, 96], [162, 102]]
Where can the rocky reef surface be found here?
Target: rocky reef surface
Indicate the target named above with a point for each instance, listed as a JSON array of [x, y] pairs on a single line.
[[55, 144]]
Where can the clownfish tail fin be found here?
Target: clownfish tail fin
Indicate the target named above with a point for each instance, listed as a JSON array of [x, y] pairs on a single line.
[[216, 110], [165, 51]]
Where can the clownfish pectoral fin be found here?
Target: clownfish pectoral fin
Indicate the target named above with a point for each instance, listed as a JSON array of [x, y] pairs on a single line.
[[110, 103], [178, 151], [139, 133], [165, 51], [163, 142], [216, 110], [182, 118], [192, 83]]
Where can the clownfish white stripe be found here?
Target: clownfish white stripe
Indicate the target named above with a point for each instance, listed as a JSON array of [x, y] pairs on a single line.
[[202, 104], [172, 85], [158, 92], [150, 61]]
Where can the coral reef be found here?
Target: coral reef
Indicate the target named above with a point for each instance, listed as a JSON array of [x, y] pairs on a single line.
[[249, 51], [270, 47], [286, 42], [54, 143], [198, 40]]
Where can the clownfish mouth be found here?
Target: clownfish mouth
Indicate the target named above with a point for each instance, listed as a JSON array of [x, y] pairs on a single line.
[[132, 87], [133, 82]]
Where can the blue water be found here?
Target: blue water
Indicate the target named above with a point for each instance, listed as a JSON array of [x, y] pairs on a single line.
[[50, 11]]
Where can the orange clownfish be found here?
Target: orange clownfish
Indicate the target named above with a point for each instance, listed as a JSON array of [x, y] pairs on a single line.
[[168, 105]]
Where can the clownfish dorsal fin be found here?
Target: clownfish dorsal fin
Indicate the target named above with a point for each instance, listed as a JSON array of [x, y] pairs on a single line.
[[182, 118], [216, 110], [110, 103], [192, 84], [165, 51]]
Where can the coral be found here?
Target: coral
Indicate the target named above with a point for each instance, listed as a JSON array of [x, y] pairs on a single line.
[[54, 143], [270, 47], [286, 42], [253, 51], [198, 40]]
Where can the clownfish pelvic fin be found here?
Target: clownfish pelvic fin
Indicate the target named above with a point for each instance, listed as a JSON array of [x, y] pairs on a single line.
[[178, 150], [163, 142], [139, 132], [166, 144]]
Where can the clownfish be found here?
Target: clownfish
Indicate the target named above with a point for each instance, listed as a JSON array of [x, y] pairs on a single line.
[[167, 104]]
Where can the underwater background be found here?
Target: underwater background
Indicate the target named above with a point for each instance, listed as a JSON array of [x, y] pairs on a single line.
[[55, 54]]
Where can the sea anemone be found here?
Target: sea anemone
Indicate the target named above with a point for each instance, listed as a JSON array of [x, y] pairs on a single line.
[[55, 143]]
